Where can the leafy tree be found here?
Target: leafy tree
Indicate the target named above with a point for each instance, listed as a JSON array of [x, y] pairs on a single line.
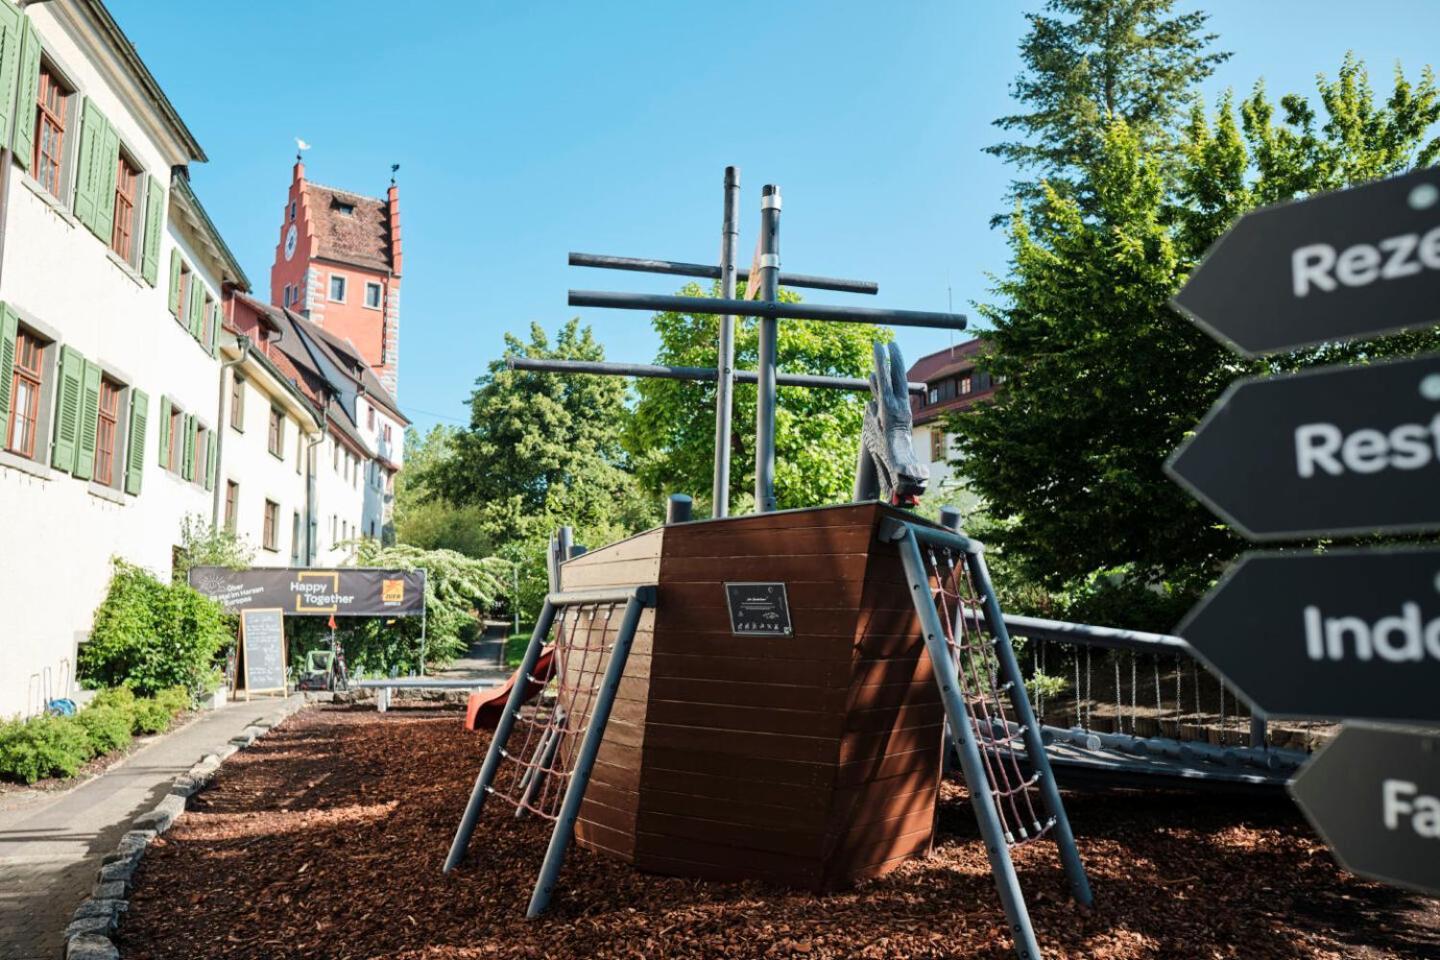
[[671, 438], [1104, 380], [1088, 63], [544, 449], [427, 521]]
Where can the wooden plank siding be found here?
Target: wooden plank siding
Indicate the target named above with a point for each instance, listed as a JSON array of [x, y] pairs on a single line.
[[811, 759]]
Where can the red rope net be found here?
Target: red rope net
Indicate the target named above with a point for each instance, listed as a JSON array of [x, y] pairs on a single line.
[[539, 759], [972, 649]]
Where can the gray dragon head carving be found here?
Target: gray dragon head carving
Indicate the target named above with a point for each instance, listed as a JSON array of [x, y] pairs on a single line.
[[887, 468]]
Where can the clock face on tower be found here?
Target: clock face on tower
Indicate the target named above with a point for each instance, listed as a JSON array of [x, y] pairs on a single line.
[[290, 242]]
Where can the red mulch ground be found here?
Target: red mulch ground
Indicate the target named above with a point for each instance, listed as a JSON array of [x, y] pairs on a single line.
[[326, 839]]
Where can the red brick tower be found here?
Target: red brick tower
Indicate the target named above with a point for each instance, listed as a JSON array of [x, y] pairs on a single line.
[[338, 262]]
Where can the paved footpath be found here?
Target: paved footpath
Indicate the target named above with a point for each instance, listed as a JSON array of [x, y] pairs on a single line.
[[51, 844]]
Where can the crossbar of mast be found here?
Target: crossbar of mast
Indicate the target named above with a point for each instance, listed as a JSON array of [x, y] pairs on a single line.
[[680, 268], [767, 309], [658, 371]]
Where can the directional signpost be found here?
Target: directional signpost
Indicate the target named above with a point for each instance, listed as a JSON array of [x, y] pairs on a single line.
[[1374, 795], [1350, 633], [1355, 263], [1340, 450], [1346, 450]]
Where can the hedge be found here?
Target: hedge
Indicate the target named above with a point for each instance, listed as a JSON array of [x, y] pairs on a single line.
[[48, 746]]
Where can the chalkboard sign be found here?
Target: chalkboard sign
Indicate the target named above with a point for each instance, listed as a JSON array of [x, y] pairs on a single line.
[[262, 651], [758, 609]]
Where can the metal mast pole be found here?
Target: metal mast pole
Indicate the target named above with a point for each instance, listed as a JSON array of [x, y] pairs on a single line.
[[724, 381], [769, 264]]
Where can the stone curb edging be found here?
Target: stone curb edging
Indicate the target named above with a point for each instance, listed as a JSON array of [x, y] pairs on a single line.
[[87, 937]]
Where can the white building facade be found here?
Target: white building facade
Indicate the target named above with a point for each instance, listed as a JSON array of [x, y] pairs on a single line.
[[117, 352]]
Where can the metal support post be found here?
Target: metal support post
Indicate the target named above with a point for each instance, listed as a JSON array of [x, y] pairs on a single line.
[[962, 736], [1257, 729], [678, 509], [502, 734], [725, 357], [1034, 746], [769, 337], [589, 747]]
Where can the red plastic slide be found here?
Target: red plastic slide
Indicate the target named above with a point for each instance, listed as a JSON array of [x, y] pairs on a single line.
[[483, 710]]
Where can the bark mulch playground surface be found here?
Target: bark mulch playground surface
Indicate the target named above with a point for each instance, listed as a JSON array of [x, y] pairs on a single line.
[[325, 840]]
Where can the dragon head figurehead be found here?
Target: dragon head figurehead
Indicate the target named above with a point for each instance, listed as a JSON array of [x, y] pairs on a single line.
[[887, 468]]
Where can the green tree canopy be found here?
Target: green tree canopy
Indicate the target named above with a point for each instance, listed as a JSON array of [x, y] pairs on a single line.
[[427, 521], [543, 449], [671, 437], [1088, 63], [1104, 379]]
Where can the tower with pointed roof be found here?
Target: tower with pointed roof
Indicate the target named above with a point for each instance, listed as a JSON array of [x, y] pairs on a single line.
[[338, 263]]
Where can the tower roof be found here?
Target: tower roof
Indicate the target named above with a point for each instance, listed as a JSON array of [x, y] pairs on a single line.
[[349, 227]]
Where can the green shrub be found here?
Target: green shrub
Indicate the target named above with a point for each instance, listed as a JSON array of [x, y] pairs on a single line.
[[175, 699], [152, 716], [41, 747], [150, 635], [121, 697], [107, 727]]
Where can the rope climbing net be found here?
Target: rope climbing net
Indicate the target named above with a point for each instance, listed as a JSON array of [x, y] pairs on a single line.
[[538, 762], [972, 650]]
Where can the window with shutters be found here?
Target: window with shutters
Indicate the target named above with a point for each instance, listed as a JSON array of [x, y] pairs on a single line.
[[182, 306], [295, 539], [53, 100], [337, 288], [26, 381], [232, 504], [127, 209], [277, 433], [202, 454], [107, 432], [967, 384], [937, 444], [237, 404], [272, 522], [207, 319], [372, 296], [174, 453]]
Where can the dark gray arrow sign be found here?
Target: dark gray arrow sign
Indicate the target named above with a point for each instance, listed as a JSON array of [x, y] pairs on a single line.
[[1327, 452], [1354, 263], [1349, 633], [1374, 795]]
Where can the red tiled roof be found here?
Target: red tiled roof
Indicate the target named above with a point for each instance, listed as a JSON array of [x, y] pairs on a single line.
[[360, 236], [942, 362]]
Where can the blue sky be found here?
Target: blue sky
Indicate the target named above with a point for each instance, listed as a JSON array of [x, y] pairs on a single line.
[[525, 130]]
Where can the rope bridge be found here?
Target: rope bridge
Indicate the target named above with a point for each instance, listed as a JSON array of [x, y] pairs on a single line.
[[988, 714]]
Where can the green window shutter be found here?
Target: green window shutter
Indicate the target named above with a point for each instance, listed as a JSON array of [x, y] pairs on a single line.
[[27, 83], [92, 138], [67, 409], [108, 159], [135, 441], [187, 423], [210, 463], [8, 328], [215, 317], [164, 431], [175, 281], [89, 421], [11, 29], [154, 223], [197, 303]]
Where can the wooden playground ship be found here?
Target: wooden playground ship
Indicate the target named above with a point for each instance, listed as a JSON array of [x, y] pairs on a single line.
[[809, 757]]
